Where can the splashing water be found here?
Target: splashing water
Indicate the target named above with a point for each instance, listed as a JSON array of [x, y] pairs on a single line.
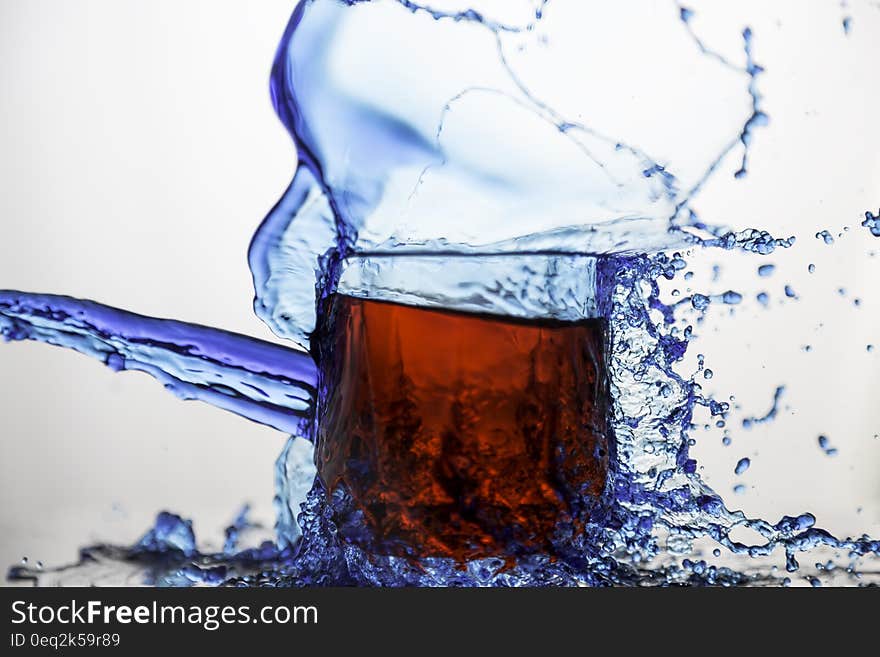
[[872, 222], [560, 206]]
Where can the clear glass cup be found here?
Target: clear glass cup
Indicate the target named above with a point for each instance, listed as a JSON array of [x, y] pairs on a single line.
[[462, 405]]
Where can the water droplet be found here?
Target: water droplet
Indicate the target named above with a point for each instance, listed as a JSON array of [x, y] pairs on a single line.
[[825, 236], [872, 223], [700, 301], [731, 298]]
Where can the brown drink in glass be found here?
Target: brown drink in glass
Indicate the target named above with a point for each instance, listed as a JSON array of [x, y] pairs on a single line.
[[457, 434]]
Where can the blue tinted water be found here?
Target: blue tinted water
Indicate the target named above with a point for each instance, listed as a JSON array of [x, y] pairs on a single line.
[[382, 173]]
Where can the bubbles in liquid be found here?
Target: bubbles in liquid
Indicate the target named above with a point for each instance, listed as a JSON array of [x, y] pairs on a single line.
[[607, 184], [465, 435]]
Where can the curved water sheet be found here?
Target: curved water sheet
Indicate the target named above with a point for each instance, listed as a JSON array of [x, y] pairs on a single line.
[[561, 131], [489, 127]]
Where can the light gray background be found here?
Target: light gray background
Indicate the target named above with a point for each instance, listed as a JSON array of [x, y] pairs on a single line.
[[139, 151]]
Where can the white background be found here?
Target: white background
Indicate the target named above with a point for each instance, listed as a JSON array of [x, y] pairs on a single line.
[[139, 152]]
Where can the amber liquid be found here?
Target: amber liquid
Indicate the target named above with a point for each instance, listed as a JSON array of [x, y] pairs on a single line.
[[460, 435]]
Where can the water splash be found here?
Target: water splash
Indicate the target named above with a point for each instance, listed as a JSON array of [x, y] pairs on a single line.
[[428, 174], [872, 222], [258, 380], [758, 117], [554, 171], [170, 533], [770, 415], [654, 491], [825, 236]]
